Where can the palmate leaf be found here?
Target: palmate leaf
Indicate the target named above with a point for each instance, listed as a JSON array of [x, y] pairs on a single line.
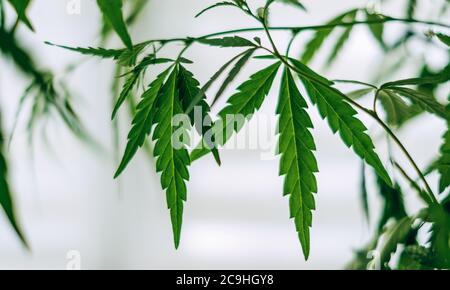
[[341, 118], [143, 120], [313, 46], [229, 41], [298, 164], [245, 102], [6, 200], [21, 7], [172, 162], [112, 11]]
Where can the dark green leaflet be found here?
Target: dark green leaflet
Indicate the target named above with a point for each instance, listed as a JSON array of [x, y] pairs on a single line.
[[313, 46], [189, 89], [364, 193], [233, 74], [112, 11], [171, 162], [225, 3], [230, 41], [341, 118], [443, 163], [99, 52], [143, 120], [6, 201], [397, 111], [444, 38], [298, 164], [21, 8], [246, 101], [440, 233]]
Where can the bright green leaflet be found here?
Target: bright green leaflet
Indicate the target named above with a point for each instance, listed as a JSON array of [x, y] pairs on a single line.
[[171, 162], [112, 10], [298, 164], [246, 101]]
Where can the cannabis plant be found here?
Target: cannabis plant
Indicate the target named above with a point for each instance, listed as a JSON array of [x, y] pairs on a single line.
[[175, 93]]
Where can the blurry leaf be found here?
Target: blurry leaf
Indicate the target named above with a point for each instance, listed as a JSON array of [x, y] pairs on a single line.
[[393, 205], [341, 118], [425, 101], [248, 99], [225, 3], [298, 164], [440, 233], [6, 200], [143, 120], [411, 8], [189, 89], [377, 29], [364, 193], [233, 73], [342, 39], [112, 10], [172, 162], [295, 3], [414, 257], [21, 8], [443, 163], [444, 38], [357, 94], [394, 235], [435, 79], [231, 41], [313, 46], [397, 111]]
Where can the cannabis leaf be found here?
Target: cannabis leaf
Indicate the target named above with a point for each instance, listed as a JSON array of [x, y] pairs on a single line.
[[313, 46], [230, 41], [298, 164], [342, 38], [440, 233], [225, 3], [341, 118], [245, 102], [143, 120], [6, 201], [112, 10], [21, 8], [397, 111], [172, 162], [393, 207], [444, 38], [443, 163], [99, 51], [189, 89], [376, 27]]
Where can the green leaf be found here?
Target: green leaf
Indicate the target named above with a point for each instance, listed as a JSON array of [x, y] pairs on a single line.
[[143, 121], [6, 200], [440, 233], [423, 100], [313, 46], [444, 38], [230, 41], [172, 162], [21, 9], [397, 111], [233, 73], [112, 10], [411, 8], [443, 163], [295, 3], [124, 94], [442, 77], [357, 94], [245, 102], [377, 29], [189, 89], [364, 193], [341, 118], [342, 39], [296, 146], [99, 52], [220, 4]]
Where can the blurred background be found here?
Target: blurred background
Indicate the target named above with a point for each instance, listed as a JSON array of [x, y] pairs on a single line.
[[235, 216]]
